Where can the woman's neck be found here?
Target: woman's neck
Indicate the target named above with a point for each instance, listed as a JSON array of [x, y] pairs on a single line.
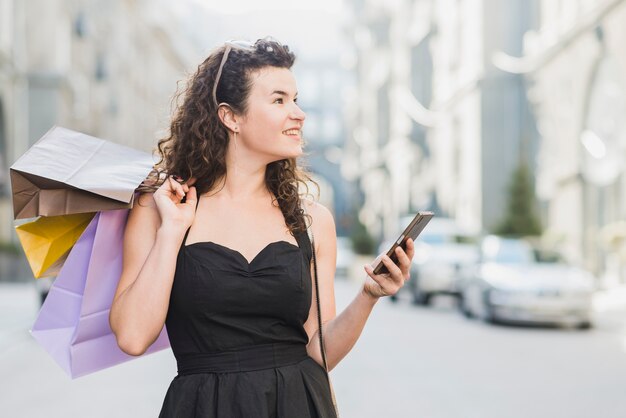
[[245, 174], [239, 188], [241, 185]]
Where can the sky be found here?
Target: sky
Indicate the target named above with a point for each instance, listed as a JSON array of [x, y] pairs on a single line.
[[313, 29], [246, 6]]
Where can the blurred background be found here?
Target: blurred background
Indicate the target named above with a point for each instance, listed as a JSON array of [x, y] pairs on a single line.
[[506, 118]]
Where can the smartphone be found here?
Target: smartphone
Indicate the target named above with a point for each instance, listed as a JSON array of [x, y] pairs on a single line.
[[411, 231]]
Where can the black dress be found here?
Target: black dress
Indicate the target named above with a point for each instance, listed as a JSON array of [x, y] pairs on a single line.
[[236, 330]]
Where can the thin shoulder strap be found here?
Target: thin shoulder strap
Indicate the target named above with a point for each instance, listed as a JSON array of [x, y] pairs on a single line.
[[319, 312], [187, 232], [317, 292]]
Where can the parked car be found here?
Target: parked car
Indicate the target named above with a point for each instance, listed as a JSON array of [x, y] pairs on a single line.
[[43, 286], [509, 285], [345, 256], [442, 250]]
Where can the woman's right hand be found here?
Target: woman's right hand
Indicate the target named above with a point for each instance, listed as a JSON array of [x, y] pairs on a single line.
[[168, 201]]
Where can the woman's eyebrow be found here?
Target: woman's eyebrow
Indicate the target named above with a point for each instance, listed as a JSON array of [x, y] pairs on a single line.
[[283, 93]]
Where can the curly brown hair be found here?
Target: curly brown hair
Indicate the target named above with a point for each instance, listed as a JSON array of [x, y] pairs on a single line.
[[197, 142]]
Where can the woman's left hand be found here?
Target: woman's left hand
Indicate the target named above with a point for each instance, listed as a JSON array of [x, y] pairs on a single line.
[[378, 285]]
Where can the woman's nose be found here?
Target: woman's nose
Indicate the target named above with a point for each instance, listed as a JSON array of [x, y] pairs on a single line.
[[298, 113]]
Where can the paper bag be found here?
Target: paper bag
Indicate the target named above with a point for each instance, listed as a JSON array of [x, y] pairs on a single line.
[[48, 240], [73, 324], [69, 172]]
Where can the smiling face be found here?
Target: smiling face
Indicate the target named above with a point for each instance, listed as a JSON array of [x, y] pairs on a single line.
[[272, 125]]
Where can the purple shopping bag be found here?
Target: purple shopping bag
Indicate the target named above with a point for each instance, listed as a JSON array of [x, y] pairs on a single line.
[[73, 324]]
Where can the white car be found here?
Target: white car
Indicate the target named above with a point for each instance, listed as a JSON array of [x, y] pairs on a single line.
[[508, 285], [441, 251], [345, 257]]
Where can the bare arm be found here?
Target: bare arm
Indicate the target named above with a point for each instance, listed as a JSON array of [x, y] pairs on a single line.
[[342, 332], [151, 242]]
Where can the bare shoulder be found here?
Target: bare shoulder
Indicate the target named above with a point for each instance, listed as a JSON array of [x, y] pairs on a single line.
[[317, 210], [144, 214], [139, 237], [141, 228], [323, 223]]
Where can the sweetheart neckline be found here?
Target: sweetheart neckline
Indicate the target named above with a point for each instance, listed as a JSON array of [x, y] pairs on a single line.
[[248, 263]]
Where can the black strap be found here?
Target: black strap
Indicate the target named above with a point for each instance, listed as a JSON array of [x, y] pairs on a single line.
[[317, 302], [319, 318], [304, 243], [187, 232]]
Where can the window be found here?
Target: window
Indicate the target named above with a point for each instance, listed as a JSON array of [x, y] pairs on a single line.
[[4, 180]]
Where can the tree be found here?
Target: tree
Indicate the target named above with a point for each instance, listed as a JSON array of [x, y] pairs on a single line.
[[521, 218], [362, 241]]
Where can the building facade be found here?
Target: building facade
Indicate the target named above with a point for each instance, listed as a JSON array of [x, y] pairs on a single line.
[[437, 126], [106, 68], [575, 67]]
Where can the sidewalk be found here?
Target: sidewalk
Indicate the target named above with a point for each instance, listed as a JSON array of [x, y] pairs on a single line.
[[19, 306], [609, 307]]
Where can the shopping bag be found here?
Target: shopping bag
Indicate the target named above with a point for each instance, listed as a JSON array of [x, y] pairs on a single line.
[[48, 240], [68, 172], [73, 323]]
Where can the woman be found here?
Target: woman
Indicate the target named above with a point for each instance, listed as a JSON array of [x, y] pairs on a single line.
[[224, 260]]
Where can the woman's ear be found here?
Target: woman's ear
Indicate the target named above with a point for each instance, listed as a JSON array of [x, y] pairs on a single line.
[[228, 117]]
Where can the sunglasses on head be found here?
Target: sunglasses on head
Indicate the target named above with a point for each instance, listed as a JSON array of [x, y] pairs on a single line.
[[229, 46]]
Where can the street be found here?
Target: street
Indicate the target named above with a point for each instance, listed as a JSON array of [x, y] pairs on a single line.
[[434, 363], [409, 362]]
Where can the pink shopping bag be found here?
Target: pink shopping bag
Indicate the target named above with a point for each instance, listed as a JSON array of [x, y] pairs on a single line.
[[73, 324]]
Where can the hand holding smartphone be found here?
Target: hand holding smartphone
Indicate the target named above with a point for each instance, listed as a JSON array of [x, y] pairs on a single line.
[[412, 231]]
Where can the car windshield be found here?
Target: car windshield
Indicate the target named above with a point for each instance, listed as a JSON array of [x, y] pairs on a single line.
[[440, 231], [507, 251], [344, 243], [440, 239], [548, 256], [434, 239]]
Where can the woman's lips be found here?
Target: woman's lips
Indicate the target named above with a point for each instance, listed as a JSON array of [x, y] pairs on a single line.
[[292, 133]]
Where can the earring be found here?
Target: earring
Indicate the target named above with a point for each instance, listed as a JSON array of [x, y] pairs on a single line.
[[235, 152]]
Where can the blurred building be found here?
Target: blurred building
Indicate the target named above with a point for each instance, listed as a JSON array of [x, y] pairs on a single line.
[[106, 68], [575, 65], [386, 152], [109, 68], [435, 124], [321, 81]]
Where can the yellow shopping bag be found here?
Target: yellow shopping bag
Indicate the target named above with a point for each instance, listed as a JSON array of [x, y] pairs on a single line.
[[48, 240]]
